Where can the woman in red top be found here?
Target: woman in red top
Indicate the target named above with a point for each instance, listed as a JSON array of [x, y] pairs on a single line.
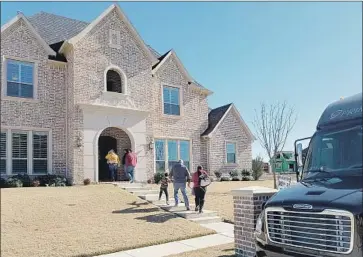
[[199, 191]]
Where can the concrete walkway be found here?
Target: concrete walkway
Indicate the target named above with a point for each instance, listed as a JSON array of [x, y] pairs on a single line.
[[225, 235]]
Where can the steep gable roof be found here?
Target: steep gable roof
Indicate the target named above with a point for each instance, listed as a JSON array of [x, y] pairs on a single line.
[[216, 117], [123, 17], [54, 28], [41, 40], [162, 59]]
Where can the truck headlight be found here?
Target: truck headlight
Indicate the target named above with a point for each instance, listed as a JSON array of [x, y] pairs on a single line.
[[259, 223]]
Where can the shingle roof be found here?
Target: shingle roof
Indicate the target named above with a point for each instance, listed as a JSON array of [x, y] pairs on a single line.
[[214, 117], [54, 28]]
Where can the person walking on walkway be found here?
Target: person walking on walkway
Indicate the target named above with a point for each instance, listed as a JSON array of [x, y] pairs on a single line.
[[199, 191], [131, 162], [126, 151], [164, 183], [113, 162], [180, 176]]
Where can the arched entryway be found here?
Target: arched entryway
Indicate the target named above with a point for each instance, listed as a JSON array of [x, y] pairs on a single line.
[[116, 139]]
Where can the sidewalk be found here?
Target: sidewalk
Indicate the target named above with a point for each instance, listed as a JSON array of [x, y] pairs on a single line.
[[225, 235]]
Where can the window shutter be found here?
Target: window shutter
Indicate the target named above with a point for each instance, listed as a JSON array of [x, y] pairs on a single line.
[[20, 152], [3, 152], [40, 152]]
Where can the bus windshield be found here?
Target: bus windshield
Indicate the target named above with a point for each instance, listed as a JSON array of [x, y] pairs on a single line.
[[335, 150]]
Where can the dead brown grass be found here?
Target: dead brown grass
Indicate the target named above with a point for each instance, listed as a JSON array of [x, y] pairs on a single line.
[[84, 221], [217, 251], [219, 198]]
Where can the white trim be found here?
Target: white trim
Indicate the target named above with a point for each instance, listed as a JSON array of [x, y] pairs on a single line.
[[178, 63], [20, 16], [181, 93], [121, 73], [29, 131], [4, 95], [116, 33], [123, 17], [56, 63], [235, 149]]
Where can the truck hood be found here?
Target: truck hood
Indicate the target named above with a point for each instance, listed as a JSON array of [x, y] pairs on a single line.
[[320, 197]]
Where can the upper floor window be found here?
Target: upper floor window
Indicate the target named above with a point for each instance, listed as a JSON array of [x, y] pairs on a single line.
[[19, 79], [231, 152], [171, 100], [114, 82]]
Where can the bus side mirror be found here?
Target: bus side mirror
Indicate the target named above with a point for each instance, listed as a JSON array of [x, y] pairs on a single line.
[[299, 152]]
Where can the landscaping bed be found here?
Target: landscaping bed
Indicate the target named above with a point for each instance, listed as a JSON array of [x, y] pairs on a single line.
[[84, 221]]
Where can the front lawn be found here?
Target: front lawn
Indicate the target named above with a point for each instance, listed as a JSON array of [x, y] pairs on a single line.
[[84, 221]]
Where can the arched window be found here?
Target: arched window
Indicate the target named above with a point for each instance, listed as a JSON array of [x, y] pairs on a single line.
[[114, 82]]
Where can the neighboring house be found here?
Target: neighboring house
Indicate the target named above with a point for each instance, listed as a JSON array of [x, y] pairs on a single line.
[[73, 90], [284, 161]]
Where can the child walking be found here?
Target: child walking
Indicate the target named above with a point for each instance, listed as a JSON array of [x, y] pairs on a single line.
[[164, 182]]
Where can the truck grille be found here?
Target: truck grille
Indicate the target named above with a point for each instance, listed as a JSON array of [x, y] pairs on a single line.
[[329, 231]]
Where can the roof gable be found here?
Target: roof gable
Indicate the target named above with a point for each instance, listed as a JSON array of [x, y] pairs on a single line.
[[216, 117], [21, 17], [74, 40]]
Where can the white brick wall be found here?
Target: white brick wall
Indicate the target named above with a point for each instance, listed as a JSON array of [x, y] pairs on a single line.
[[49, 110], [230, 130], [60, 90]]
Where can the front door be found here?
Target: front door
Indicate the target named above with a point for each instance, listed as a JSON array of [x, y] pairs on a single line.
[[105, 144]]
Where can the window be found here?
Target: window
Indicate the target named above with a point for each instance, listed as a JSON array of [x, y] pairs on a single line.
[[171, 100], [20, 79], [171, 151], [160, 155], [19, 152], [185, 152], [3, 141], [40, 152], [26, 152], [231, 152], [114, 82]]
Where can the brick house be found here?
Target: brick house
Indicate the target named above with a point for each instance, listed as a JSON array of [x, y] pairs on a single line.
[[71, 91]]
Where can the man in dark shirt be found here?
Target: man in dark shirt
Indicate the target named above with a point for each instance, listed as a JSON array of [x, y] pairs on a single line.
[[180, 175]]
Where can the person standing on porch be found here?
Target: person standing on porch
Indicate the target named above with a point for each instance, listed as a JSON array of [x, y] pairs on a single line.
[[180, 175], [113, 162], [126, 151], [131, 162]]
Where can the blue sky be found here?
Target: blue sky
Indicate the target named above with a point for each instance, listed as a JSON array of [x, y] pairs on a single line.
[[307, 53]]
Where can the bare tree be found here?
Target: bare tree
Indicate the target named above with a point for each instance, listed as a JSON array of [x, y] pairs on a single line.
[[273, 124]]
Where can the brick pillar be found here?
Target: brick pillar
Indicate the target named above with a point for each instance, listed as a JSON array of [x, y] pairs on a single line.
[[247, 206]]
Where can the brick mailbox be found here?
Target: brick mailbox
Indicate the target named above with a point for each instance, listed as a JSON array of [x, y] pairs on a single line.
[[247, 207]]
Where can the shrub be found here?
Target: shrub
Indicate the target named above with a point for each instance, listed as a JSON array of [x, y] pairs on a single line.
[[257, 168], [36, 183], [3, 183], [246, 175], [218, 174], [158, 176], [235, 175], [225, 178], [52, 180], [87, 181], [14, 182], [236, 179], [24, 178]]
